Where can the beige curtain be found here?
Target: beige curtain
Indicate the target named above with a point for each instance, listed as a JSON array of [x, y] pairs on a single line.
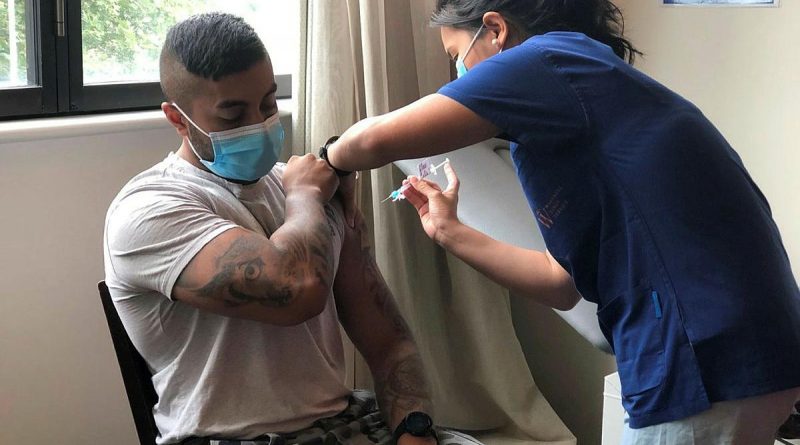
[[368, 57]]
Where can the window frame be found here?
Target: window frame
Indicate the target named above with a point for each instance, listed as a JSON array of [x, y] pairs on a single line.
[[49, 54], [102, 97], [40, 96]]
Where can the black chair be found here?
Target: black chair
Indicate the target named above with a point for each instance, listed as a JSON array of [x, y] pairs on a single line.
[[791, 428], [135, 374]]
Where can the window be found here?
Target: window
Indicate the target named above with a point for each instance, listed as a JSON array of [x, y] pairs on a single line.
[[73, 56], [13, 48]]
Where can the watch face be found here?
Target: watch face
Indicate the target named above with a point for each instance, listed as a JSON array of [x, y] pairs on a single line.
[[418, 424]]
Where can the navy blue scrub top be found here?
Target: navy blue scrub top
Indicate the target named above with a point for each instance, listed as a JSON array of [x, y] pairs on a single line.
[[651, 211]]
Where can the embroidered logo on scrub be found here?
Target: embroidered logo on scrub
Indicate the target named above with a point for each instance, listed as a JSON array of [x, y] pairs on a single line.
[[549, 213]]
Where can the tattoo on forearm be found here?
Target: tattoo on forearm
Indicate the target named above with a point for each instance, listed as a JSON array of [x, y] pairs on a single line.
[[403, 389], [241, 273], [382, 296], [331, 217]]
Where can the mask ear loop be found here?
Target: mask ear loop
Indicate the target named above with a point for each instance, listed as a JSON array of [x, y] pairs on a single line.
[[195, 126], [472, 43], [189, 119]]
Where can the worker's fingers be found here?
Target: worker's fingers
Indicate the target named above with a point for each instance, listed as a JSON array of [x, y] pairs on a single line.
[[427, 188], [453, 184]]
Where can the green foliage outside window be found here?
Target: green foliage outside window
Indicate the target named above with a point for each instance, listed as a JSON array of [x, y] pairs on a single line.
[[5, 47], [121, 37]]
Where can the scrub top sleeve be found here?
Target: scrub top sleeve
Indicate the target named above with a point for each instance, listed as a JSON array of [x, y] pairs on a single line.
[[523, 94]]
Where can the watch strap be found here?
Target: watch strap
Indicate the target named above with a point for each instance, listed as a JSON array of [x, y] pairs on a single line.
[[323, 154], [402, 428]]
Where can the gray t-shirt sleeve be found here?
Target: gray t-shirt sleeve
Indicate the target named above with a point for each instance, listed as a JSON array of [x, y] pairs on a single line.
[[152, 235]]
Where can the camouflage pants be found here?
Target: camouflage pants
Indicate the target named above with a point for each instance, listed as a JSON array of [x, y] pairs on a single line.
[[360, 424]]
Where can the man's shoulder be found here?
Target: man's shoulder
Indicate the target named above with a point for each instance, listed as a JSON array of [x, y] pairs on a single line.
[[164, 179], [153, 190]]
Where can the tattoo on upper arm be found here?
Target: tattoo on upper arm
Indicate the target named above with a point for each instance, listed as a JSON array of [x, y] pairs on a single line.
[[242, 260], [242, 277]]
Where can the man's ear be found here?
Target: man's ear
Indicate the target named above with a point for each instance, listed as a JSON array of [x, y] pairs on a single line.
[[175, 118]]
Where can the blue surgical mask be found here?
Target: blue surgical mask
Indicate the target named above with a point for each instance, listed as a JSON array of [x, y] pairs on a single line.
[[462, 69], [245, 153]]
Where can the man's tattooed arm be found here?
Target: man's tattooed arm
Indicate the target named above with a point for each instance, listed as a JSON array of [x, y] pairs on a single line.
[[372, 320], [284, 279]]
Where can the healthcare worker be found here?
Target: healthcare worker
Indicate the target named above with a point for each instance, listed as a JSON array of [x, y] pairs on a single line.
[[645, 209]]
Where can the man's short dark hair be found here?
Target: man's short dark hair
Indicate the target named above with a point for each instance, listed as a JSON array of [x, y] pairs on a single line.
[[211, 46]]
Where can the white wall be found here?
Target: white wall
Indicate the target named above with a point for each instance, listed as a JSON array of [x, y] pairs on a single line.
[[740, 66], [59, 379]]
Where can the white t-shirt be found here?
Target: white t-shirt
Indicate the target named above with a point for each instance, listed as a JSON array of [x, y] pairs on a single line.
[[215, 376]]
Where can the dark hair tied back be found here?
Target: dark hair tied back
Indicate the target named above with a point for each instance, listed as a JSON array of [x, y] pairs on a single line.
[[599, 19]]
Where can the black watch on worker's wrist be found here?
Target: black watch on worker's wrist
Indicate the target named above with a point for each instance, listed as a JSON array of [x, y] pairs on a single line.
[[323, 154], [418, 424]]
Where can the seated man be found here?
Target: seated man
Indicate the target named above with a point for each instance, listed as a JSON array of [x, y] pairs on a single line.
[[231, 272]]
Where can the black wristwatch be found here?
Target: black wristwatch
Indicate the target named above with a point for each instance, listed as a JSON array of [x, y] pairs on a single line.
[[323, 154], [418, 424]]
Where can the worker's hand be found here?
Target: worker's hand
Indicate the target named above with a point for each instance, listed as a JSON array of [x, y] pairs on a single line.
[[437, 209], [347, 193], [307, 174]]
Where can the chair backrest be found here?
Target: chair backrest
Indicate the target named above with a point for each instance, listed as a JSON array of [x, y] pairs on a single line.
[[135, 374]]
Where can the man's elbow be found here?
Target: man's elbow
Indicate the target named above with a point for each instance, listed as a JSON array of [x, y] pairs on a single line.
[[310, 311], [566, 301], [309, 300], [317, 300], [315, 292]]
